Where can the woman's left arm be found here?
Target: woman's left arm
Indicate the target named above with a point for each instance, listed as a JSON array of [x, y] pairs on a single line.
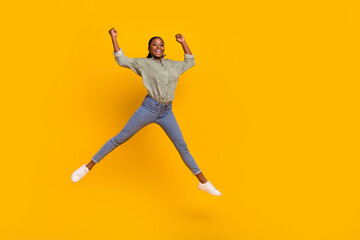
[[189, 60], [180, 38]]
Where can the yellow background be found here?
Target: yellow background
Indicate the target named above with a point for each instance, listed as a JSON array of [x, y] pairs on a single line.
[[270, 112]]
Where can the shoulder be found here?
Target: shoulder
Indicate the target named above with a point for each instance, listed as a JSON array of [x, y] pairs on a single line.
[[140, 60], [171, 61]]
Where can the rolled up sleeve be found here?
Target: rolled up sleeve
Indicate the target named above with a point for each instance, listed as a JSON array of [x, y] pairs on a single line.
[[183, 66], [124, 61]]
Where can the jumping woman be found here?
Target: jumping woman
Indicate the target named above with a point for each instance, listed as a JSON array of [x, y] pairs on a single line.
[[160, 77]]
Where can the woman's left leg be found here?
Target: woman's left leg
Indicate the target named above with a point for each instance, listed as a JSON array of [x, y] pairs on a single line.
[[169, 124]]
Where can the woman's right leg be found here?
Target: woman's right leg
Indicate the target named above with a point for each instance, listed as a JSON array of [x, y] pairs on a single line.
[[138, 120]]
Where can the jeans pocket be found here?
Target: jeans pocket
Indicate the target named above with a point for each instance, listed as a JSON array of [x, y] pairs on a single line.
[[150, 109]]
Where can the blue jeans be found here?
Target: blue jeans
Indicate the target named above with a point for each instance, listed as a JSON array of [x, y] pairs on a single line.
[[151, 111]]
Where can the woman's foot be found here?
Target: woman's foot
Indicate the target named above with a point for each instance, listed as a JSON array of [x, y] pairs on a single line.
[[208, 187], [79, 173]]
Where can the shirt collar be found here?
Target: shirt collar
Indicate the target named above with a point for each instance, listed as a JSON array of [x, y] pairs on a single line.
[[162, 58]]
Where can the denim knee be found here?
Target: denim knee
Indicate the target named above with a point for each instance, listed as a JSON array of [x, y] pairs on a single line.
[[183, 149], [117, 140]]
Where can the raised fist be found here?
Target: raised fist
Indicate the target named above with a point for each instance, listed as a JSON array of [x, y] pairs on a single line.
[[113, 32], [180, 38]]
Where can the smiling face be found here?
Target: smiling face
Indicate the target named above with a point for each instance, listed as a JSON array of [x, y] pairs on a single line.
[[157, 48]]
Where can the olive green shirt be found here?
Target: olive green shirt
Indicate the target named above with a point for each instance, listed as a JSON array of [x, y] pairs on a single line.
[[159, 77]]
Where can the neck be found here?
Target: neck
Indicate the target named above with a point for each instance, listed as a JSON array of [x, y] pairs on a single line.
[[158, 58]]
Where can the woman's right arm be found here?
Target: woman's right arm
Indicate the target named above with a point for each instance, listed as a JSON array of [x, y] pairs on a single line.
[[121, 59], [113, 35]]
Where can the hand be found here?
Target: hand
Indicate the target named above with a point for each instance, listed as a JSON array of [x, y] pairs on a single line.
[[180, 38], [113, 32]]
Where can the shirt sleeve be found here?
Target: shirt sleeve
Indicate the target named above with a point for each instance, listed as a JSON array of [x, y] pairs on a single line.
[[183, 66], [124, 61]]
